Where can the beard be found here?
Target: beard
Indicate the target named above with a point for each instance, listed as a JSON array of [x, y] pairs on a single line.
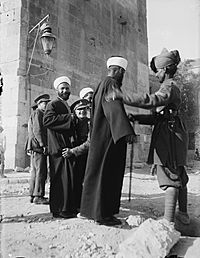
[[119, 79], [64, 96]]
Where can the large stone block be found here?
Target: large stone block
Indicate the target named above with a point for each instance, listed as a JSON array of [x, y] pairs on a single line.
[[152, 239]]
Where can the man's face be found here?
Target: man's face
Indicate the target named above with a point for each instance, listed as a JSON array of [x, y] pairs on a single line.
[[42, 105], [160, 74], [88, 96], [64, 91], [119, 73], [81, 113]]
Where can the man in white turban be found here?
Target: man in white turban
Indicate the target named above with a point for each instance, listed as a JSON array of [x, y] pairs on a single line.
[[110, 131], [58, 120], [86, 93]]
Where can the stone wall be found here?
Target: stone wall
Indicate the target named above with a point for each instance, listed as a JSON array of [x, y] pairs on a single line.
[[88, 32], [9, 62]]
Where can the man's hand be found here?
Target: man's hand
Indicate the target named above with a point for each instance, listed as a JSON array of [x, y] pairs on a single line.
[[67, 152], [132, 138], [45, 151], [114, 94]]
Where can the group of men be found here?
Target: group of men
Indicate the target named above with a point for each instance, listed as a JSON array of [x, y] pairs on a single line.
[[86, 144]]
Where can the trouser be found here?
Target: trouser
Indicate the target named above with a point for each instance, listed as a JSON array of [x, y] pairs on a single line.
[[173, 194], [38, 174]]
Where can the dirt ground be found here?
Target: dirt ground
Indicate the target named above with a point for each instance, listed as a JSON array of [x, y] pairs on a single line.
[[28, 230]]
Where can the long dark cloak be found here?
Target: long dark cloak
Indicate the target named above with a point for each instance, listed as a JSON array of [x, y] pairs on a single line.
[[107, 155], [57, 119]]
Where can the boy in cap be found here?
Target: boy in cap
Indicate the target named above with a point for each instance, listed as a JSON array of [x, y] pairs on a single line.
[[169, 143], [58, 121], [37, 144], [110, 132], [80, 110]]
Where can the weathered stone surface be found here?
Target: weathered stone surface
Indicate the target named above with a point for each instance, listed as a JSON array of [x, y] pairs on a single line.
[[135, 221], [152, 239], [87, 32]]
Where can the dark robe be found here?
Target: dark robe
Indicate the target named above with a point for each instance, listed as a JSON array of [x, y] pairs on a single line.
[[57, 119], [107, 155]]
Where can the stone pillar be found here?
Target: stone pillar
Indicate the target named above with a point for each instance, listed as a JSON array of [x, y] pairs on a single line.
[[9, 60]]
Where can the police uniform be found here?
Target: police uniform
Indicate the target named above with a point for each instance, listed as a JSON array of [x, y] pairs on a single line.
[[37, 142], [81, 134]]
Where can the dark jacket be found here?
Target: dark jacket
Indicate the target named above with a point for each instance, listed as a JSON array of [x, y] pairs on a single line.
[[37, 133], [58, 121]]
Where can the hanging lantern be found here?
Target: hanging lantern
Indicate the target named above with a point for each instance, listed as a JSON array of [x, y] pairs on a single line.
[[47, 38]]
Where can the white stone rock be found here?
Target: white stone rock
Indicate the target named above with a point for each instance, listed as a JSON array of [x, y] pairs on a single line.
[[152, 239], [135, 220]]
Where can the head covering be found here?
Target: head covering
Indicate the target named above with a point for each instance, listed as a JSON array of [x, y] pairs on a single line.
[[117, 60], [85, 91], [34, 106], [60, 80], [165, 59], [42, 98], [79, 104]]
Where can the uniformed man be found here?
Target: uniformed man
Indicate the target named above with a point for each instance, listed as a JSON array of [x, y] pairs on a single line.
[[37, 144], [80, 109]]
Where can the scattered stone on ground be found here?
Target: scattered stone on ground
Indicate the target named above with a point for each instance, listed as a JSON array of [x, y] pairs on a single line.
[[152, 239], [29, 231]]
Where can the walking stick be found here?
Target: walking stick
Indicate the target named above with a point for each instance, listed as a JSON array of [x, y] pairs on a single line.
[[131, 170]]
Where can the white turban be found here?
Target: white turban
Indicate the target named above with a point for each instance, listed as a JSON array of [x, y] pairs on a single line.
[[84, 91], [116, 60], [60, 80]]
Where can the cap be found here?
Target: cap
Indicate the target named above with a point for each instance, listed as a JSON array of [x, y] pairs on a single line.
[[60, 80], [42, 98], [117, 60], [85, 91], [79, 104]]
